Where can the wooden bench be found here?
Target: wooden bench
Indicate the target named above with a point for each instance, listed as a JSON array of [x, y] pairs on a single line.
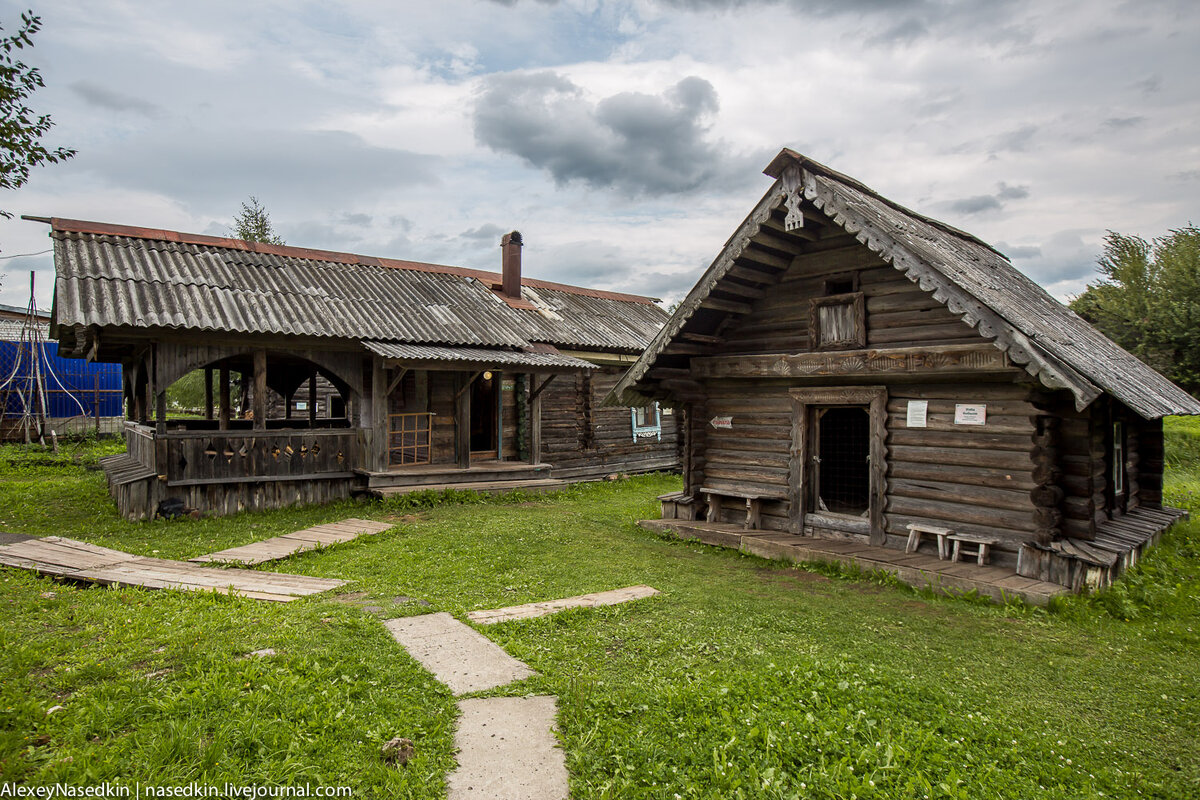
[[917, 530], [982, 545], [753, 504]]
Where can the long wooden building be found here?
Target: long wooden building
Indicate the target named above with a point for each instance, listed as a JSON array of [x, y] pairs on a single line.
[[850, 368], [330, 373]]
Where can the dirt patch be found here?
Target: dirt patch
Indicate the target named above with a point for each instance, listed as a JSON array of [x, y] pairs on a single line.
[[786, 575], [348, 597], [406, 518]]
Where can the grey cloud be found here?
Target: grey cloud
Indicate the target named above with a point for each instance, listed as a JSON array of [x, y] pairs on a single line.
[[103, 97], [1185, 175], [636, 143], [976, 205], [1019, 250], [1065, 256], [903, 32], [1006, 192], [484, 233], [1149, 85], [1121, 123], [1016, 140], [358, 220], [282, 166], [979, 204]]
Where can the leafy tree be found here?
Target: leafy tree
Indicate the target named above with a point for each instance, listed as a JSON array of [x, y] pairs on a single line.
[[254, 224], [21, 129], [1148, 301]]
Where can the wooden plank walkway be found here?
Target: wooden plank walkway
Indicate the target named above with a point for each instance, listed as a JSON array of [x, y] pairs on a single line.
[[292, 543], [612, 597], [67, 558], [915, 569]]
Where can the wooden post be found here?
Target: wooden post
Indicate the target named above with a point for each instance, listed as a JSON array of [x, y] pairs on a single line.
[[462, 420], [223, 378], [208, 393], [260, 389], [499, 416], [312, 399], [379, 415]]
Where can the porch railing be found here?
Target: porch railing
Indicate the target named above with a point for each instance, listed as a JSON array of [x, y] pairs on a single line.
[[409, 438], [202, 457]]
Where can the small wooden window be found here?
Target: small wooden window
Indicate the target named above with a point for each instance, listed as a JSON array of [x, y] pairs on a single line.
[[837, 322], [646, 423]]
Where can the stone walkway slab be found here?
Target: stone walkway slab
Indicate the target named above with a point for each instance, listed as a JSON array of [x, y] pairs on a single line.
[[456, 654], [67, 558], [507, 751], [532, 610], [297, 542]]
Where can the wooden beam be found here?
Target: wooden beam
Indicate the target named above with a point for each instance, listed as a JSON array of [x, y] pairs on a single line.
[[931, 360], [379, 416], [467, 385], [396, 381], [223, 379], [462, 424], [702, 338], [741, 290], [208, 393], [312, 398], [717, 304], [538, 391], [260, 389]]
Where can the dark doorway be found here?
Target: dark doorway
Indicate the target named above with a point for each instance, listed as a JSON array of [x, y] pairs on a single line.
[[483, 414], [843, 469]]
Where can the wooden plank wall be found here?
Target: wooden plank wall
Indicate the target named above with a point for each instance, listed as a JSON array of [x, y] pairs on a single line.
[[138, 500], [583, 439]]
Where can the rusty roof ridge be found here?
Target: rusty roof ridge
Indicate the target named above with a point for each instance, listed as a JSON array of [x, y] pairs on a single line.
[[67, 226]]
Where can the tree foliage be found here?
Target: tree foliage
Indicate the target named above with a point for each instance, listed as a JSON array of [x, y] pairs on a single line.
[[1148, 301], [21, 130], [254, 224]]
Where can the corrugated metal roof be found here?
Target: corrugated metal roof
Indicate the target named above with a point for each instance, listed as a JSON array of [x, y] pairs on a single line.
[[475, 355], [974, 280], [107, 279]]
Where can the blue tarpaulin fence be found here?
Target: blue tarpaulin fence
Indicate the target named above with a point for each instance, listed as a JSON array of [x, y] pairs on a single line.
[[84, 383]]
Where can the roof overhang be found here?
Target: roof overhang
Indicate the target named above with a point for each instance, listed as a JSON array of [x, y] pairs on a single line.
[[446, 357]]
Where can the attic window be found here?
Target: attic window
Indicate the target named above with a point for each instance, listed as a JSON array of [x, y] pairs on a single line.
[[837, 322]]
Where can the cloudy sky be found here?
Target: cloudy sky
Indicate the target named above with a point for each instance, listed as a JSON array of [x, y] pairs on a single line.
[[625, 140]]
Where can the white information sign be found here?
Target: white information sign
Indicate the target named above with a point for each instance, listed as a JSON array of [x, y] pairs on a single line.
[[965, 414], [722, 422], [918, 411]]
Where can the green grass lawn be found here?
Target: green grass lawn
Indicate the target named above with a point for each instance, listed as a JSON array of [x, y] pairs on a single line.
[[744, 678]]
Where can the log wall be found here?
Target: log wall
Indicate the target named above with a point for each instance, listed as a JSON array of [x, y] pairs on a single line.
[[582, 439]]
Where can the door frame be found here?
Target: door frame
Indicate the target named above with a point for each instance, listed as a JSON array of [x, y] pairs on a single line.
[[803, 400]]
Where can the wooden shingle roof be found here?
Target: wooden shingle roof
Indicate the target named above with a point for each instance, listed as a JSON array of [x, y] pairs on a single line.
[[973, 279]]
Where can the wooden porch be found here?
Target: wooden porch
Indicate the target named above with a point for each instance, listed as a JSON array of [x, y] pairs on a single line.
[[916, 569]]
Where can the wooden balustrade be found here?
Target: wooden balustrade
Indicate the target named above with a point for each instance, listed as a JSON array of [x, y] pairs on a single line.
[[211, 457]]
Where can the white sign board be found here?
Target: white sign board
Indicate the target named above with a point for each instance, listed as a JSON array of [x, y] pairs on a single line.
[[722, 422], [918, 412], [970, 414]]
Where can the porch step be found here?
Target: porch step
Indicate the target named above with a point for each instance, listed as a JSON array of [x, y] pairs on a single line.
[[483, 487], [431, 475]]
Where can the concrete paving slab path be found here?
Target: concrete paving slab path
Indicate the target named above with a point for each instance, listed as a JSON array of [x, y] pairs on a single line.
[[531, 610], [507, 751], [296, 542], [456, 654]]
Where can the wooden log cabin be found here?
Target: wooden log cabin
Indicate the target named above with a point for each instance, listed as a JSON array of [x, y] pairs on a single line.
[[328, 374], [849, 368]]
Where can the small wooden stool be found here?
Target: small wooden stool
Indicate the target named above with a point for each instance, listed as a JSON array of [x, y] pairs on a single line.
[[982, 545], [915, 530]]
